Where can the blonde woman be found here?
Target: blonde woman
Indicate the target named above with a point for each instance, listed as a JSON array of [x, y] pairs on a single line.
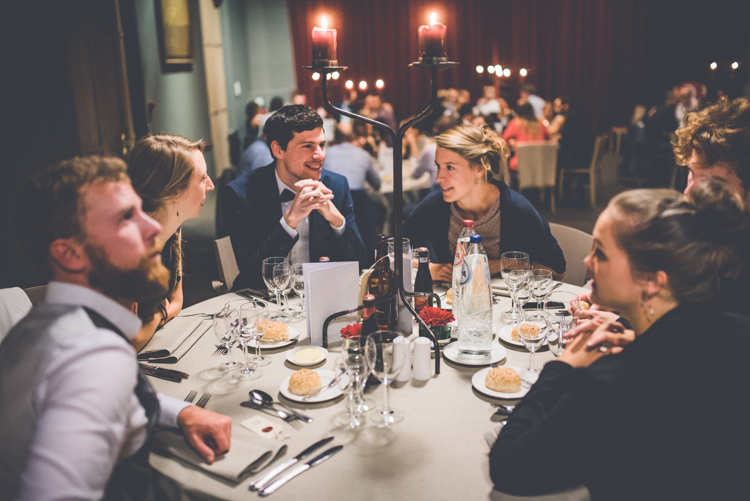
[[169, 174], [472, 161]]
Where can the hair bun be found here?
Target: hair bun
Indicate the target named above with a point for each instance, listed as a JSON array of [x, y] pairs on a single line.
[[718, 211]]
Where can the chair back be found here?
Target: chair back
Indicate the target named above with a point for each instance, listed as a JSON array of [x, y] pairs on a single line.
[[226, 261], [599, 149], [14, 305], [537, 165], [36, 294], [575, 245]]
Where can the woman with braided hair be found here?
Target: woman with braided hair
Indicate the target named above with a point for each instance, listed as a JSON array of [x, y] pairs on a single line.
[[169, 174], [472, 162]]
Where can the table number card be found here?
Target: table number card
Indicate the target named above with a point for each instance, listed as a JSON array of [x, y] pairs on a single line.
[[329, 288]]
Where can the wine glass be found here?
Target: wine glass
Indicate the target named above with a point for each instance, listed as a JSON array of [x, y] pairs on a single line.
[[225, 325], [560, 319], [248, 325], [276, 275], [349, 383], [385, 362], [298, 284], [533, 338], [509, 261], [262, 321], [539, 283], [517, 281]]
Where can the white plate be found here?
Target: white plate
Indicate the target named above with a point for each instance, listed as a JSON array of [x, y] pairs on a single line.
[[291, 353], [293, 334], [505, 335], [451, 353], [325, 378], [477, 381]]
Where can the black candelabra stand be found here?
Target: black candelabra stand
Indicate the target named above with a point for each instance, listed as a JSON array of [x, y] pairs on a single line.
[[398, 229]]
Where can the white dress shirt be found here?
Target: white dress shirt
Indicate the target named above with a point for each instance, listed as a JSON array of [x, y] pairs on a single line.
[[300, 253], [88, 415]]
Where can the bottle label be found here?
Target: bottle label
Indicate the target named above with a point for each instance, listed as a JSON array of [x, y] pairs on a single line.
[[460, 254], [465, 273]]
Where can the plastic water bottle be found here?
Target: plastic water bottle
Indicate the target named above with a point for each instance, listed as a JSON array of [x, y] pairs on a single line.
[[458, 266], [475, 326]]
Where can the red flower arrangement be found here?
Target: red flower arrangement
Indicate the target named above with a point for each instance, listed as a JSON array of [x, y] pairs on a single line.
[[352, 331], [436, 316]]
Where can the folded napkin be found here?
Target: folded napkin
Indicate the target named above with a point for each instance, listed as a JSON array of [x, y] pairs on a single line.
[[248, 453], [172, 341], [499, 283]]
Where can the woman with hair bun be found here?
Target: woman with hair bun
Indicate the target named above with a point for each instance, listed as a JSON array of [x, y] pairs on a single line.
[[665, 417], [169, 174], [472, 162]]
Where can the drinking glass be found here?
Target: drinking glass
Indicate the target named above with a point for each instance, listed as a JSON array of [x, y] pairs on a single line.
[[534, 341], [248, 370], [353, 366], [254, 318], [225, 325], [509, 261], [540, 281], [385, 363], [277, 276], [298, 284], [560, 319], [518, 286]]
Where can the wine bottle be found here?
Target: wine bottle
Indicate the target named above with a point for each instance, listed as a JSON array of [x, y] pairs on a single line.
[[423, 282], [382, 283]]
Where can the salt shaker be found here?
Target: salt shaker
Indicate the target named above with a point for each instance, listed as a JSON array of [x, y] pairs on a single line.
[[422, 364], [402, 345]]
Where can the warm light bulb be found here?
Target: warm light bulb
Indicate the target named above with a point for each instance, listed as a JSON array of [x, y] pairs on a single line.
[[498, 70], [362, 85], [480, 69], [335, 75], [379, 83], [713, 65], [506, 72], [328, 76], [735, 65], [324, 23], [349, 84], [316, 76], [490, 69], [522, 71], [433, 18]]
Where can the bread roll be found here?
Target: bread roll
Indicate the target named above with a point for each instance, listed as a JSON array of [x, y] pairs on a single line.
[[449, 296], [304, 382], [529, 330], [277, 331], [503, 379], [583, 305]]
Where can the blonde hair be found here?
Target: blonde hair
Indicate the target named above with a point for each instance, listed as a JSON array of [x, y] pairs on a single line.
[[480, 145]]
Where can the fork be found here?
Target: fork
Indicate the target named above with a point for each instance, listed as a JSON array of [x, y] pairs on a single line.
[[491, 436], [220, 350], [203, 400], [191, 396], [330, 385]]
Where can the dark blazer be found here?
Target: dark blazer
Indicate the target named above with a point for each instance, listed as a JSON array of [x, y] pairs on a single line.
[[521, 229], [251, 210]]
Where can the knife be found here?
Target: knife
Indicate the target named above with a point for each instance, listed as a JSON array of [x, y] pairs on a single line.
[[162, 370], [249, 293], [299, 469], [531, 305], [266, 479]]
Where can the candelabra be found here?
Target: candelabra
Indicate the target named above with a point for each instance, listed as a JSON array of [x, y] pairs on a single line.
[[433, 65]]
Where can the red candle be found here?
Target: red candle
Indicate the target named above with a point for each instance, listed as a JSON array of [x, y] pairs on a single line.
[[324, 45], [432, 41]]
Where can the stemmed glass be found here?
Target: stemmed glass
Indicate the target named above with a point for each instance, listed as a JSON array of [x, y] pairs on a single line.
[[518, 286], [509, 261], [277, 275], [225, 325], [539, 284], [533, 340], [385, 363], [560, 320], [247, 329], [353, 365], [298, 284], [254, 319]]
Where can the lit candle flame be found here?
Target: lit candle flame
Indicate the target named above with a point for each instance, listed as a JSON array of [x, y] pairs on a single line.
[[324, 23], [433, 18]]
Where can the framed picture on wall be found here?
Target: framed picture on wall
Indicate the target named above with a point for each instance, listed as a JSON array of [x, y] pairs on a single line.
[[175, 34]]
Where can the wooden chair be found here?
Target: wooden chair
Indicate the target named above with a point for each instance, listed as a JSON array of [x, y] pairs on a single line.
[[590, 170], [227, 265], [575, 245], [537, 167]]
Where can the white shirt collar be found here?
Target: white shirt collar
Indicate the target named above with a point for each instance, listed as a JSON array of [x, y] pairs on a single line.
[[78, 295], [281, 185]]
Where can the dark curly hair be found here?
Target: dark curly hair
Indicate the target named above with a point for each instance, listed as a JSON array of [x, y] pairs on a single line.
[[290, 119]]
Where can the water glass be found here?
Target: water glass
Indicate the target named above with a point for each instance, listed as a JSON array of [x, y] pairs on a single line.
[[540, 281], [509, 261], [353, 366], [225, 325], [262, 319], [385, 362], [298, 284], [533, 340], [248, 321], [277, 274], [560, 319]]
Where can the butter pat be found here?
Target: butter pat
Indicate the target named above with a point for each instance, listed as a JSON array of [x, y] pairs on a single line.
[[307, 355]]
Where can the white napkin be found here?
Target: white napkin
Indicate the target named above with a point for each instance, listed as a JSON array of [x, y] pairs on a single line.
[[247, 454], [173, 340]]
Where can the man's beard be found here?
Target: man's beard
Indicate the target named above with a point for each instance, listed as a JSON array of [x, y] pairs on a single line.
[[148, 282]]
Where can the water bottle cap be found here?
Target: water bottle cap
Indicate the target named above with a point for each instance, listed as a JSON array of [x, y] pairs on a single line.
[[475, 239], [468, 223]]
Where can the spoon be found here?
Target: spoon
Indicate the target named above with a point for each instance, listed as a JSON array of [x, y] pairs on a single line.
[[504, 408], [263, 399]]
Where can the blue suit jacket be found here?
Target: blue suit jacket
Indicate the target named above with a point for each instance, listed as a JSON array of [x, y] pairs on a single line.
[[251, 210]]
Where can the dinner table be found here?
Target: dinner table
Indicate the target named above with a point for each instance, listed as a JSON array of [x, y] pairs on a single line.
[[439, 451]]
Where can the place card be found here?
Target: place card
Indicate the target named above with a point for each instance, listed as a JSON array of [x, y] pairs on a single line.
[[330, 288]]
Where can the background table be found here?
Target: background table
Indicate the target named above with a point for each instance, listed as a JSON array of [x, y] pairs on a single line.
[[438, 452]]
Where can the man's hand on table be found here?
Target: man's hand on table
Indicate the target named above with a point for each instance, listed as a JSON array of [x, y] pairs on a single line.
[[208, 432], [313, 195]]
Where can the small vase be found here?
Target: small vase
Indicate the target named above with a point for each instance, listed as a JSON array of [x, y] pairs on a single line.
[[351, 346], [441, 332]]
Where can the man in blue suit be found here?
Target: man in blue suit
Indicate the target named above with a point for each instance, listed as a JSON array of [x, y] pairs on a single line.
[[290, 207]]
